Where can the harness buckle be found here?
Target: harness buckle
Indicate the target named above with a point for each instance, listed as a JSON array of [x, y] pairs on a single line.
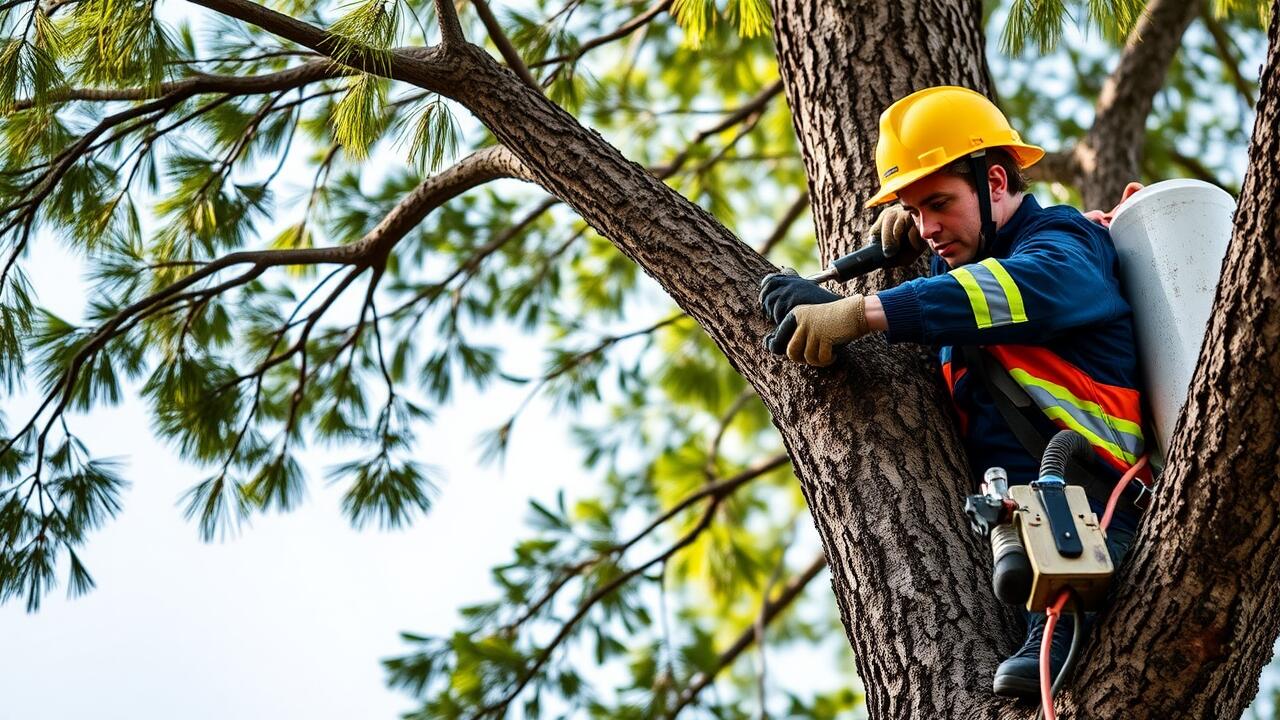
[[1142, 495]]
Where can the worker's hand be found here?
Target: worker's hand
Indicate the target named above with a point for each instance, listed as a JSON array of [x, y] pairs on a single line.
[[899, 237], [782, 291], [1104, 218], [809, 333]]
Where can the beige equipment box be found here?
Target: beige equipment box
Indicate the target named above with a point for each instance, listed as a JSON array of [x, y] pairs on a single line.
[[1088, 574]]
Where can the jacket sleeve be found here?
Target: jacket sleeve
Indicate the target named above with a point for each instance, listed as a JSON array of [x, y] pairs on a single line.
[[1053, 281]]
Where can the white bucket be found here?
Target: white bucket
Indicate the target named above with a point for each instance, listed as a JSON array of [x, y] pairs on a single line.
[[1171, 238]]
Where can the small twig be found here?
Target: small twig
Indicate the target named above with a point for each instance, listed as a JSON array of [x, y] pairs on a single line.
[[504, 45], [792, 214]]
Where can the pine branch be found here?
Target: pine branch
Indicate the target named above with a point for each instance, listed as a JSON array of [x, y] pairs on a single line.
[[476, 169], [428, 68]]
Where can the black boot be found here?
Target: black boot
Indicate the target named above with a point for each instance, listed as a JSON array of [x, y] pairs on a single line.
[[1019, 676]]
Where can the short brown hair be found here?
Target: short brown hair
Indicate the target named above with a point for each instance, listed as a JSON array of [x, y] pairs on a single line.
[[995, 156]]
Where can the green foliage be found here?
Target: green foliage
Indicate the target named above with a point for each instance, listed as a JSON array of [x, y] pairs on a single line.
[[1041, 21], [117, 42], [29, 68], [358, 119], [697, 17], [435, 136]]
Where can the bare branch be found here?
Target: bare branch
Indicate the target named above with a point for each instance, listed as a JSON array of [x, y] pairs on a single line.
[[792, 214], [1060, 167], [748, 113], [311, 72], [768, 612], [624, 30], [504, 45], [1194, 167], [713, 453], [499, 705], [719, 489], [1226, 54]]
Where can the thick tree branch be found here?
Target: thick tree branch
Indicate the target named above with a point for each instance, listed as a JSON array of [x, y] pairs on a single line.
[[1110, 154], [1207, 566]]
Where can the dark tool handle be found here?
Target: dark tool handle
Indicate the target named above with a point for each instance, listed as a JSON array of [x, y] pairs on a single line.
[[860, 262]]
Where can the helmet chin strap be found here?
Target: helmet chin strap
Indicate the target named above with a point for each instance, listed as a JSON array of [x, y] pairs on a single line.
[[987, 236]]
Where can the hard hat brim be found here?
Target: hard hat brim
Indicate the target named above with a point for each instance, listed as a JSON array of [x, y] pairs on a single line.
[[1023, 154]]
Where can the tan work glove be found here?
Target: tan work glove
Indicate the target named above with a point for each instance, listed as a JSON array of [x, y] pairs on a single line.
[[899, 235], [819, 328]]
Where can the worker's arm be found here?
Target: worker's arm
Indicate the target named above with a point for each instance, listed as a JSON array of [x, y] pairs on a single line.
[[1054, 281], [875, 315]]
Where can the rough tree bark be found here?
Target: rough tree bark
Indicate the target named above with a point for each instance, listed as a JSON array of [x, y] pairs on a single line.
[[878, 460]]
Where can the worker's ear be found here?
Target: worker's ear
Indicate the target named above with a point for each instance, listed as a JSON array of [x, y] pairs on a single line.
[[998, 181]]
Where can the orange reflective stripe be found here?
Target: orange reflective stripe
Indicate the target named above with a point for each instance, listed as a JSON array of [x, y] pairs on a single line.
[[1120, 402]]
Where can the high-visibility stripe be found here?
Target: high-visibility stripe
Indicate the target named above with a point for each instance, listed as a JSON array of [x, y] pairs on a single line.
[[1013, 295], [993, 295], [1116, 401], [1119, 437], [993, 292], [977, 299], [1107, 415]]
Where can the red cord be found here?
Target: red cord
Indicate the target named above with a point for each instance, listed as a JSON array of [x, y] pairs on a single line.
[[1119, 490], [1055, 608], [1046, 646]]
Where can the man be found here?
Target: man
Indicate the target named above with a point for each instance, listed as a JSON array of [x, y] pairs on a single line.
[[1016, 290]]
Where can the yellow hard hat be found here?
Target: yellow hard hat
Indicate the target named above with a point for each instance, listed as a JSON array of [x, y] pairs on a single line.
[[930, 128]]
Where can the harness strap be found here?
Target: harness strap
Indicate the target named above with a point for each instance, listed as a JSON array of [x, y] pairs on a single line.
[[1015, 406]]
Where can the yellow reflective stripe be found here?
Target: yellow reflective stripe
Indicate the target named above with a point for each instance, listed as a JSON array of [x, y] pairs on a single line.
[[1058, 413], [1116, 424], [981, 313], [1011, 292]]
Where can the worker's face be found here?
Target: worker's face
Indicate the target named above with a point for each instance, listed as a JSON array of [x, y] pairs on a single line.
[[945, 209]]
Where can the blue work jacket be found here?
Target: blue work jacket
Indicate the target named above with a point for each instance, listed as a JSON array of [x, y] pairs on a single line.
[[1046, 303]]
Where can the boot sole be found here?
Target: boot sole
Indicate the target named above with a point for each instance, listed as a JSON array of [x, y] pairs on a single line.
[[1016, 687]]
